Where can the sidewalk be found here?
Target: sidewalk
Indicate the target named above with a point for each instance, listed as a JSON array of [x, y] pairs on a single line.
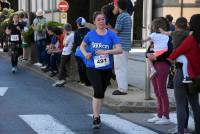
[[132, 102]]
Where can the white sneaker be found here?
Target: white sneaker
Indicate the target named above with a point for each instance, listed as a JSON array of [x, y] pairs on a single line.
[[59, 83], [38, 64], [43, 67], [55, 84], [13, 70], [81, 83], [163, 121], [154, 119]]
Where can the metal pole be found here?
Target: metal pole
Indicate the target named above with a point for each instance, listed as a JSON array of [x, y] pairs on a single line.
[[52, 14], [181, 8], [29, 11], [147, 18]]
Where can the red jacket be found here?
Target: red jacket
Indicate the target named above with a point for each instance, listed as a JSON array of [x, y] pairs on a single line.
[[191, 49]]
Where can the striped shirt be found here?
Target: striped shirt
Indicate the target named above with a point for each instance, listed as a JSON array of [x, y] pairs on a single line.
[[123, 26]]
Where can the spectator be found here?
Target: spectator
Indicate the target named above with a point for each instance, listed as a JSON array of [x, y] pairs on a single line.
[[170, 20], [123, 29], [108, 11], [161, 65], [39, 26], [178, 36], [66, 54], [190, 47], [49, 56], [101, 44], [160, 43], [129, 5], [23, 18], [78, 38]]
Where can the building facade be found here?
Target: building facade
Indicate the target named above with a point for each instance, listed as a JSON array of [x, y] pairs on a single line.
[[176, 8], [77, 8], [85, 8], [49, 6]]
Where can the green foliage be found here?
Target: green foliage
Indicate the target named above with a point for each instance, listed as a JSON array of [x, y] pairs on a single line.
[[28, 36], [55, 24], [3, 26], [5, 19]]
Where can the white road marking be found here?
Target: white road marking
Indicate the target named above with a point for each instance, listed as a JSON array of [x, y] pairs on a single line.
[[3, 90], [123, 126], [45, 124]]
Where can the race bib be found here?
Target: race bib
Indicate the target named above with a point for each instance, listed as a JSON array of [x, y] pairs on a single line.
[[101, 61], [14, 38]]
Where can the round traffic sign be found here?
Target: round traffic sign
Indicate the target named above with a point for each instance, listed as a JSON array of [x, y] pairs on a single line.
[[63, 6]]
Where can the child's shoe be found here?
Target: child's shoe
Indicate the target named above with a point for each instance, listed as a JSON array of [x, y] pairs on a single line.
[[187, 80]]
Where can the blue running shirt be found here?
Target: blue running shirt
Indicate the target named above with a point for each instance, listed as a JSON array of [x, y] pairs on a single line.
[[100, 42]]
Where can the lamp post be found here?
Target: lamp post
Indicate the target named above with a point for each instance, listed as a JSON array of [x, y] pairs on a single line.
[[147, 19], [181, 8], [29, 11], [52, 14]]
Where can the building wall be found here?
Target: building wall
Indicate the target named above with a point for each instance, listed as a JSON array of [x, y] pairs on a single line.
[[77, 8], [49, 6], [188, 1], [173, 7]]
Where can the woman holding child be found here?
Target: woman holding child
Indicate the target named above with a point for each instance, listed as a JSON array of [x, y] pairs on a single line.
[[190, 47], [159, 69]]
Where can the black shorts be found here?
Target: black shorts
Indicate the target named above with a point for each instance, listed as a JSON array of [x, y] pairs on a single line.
[[99, 80]]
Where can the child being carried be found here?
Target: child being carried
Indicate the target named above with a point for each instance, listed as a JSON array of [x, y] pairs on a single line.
[[160, 43], [178, 37]]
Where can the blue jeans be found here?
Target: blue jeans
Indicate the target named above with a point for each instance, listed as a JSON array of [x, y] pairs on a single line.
[[40, 45], [45, 58], [54, 61]]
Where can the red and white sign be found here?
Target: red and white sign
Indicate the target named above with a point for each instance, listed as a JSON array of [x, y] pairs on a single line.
[[63, 6]]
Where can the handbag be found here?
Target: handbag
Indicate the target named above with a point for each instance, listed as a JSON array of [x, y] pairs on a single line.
[[194, 87]]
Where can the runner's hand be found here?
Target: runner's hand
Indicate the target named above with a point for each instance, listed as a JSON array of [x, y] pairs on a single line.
[[88, 55], [101, 52]]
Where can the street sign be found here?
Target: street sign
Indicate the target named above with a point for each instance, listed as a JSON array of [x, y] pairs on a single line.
[[63, 6], [63, 17]]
